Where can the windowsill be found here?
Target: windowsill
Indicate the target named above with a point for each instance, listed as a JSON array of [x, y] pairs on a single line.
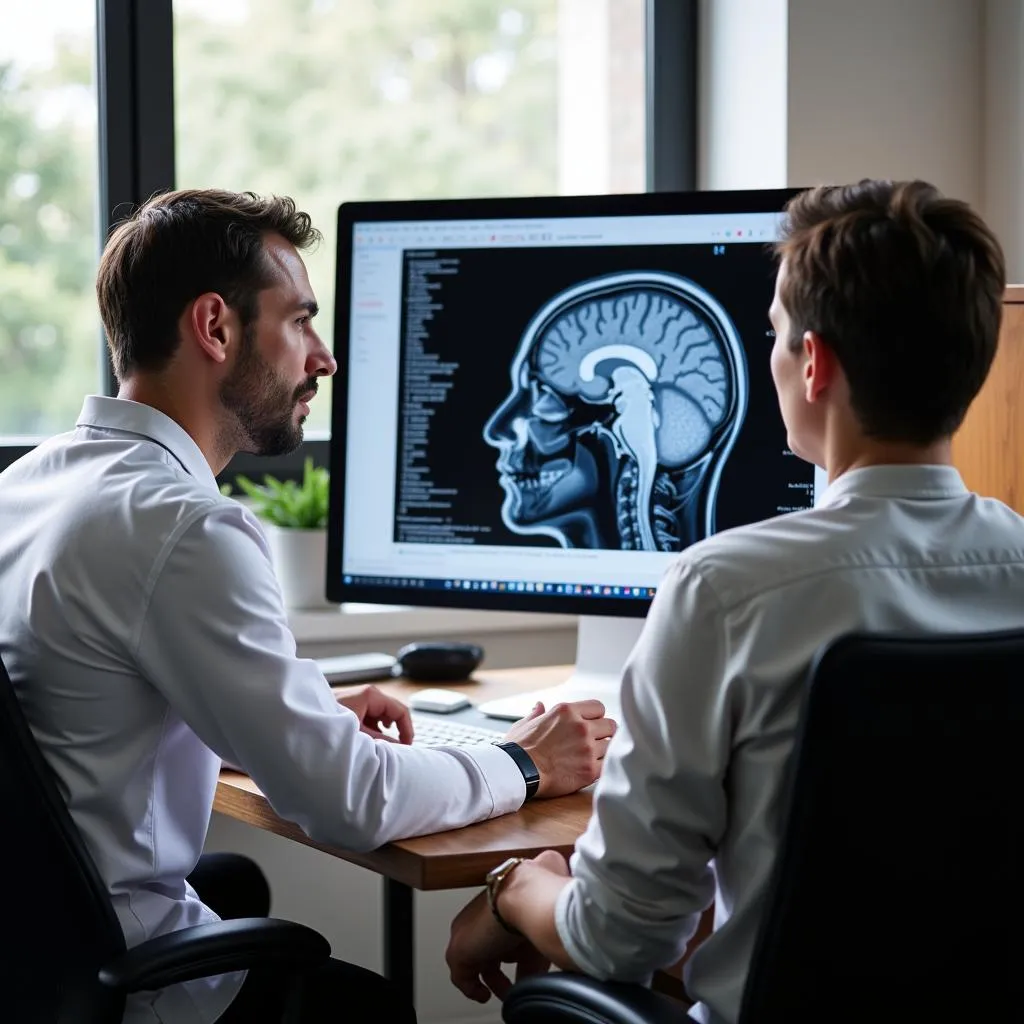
[[379, 621]]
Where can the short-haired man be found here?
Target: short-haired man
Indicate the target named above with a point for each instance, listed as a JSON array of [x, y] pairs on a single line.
[[143, 628], [886, 314]]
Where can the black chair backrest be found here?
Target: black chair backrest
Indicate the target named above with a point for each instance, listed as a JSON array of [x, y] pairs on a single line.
[[897, 887], [58, 919]]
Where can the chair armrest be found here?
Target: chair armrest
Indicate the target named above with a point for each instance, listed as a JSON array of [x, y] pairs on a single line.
[[577, 999], [219, 948]]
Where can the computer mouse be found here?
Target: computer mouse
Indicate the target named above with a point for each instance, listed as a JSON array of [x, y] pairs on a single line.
[[438, 662]]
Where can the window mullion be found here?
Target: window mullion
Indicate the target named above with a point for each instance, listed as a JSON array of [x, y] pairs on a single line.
[[135, 77], [671, 32]]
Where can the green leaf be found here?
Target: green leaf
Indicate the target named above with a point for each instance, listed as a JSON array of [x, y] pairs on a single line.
[[288, 504]]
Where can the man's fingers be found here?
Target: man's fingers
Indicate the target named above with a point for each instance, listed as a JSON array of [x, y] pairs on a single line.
[[468, 982], [604, 728], [535, 712], [378, 735], [403, 719], [590, 708], [495, 979]]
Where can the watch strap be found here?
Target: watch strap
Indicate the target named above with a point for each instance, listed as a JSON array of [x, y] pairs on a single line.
[[531, 775], [495, 880]]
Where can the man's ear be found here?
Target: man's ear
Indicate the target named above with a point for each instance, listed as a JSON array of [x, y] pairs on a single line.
[[214, 325], [820, 366]]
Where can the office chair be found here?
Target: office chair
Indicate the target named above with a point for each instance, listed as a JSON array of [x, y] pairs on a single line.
[[64, 958], [897, 886]]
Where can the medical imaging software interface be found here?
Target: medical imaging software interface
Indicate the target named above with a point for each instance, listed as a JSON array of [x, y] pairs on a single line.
[[558, 406]]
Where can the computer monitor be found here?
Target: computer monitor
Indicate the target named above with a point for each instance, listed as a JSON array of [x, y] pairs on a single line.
[[541, 401]]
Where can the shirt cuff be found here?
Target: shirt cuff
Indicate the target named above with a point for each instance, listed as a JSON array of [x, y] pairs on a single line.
[[566, 909], [502, 775], [596, 956]]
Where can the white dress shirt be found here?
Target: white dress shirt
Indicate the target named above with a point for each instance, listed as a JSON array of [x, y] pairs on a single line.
[[687, 807], [143, 629]]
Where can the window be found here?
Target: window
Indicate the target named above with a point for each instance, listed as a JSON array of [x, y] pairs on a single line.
[[324, 100], [50, 348], [331, 100]]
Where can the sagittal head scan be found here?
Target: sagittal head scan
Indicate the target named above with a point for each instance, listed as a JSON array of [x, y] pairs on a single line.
[[628, 392]]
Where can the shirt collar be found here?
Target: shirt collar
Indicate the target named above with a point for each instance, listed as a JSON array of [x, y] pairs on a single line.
[[921, 482], [137, 418]]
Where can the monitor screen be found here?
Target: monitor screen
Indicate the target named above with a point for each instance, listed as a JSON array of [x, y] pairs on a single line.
[[539, 402]]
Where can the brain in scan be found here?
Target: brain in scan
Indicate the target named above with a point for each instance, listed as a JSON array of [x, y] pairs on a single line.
[[668, 340]]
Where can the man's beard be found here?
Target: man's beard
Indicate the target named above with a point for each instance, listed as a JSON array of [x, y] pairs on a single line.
[[263, 404]]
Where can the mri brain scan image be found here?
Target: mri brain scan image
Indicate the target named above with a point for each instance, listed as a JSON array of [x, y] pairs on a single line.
[[628, 392]]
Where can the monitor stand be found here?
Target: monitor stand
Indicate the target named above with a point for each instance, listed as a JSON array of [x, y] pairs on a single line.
[[602, 647]]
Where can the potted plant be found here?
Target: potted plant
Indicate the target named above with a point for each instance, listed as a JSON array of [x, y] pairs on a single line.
[[295, 518]]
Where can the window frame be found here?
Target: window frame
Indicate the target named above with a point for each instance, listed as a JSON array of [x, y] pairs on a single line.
[[135, 96]]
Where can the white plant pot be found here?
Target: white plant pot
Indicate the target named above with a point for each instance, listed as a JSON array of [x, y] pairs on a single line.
[[300, 561]]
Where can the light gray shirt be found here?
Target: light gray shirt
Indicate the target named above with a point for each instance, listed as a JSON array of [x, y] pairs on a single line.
[[687, 807], [143, 629]]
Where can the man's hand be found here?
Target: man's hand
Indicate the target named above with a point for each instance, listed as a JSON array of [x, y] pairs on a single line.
[[478, 945], [477, 948], [567, 744], [377, 711]]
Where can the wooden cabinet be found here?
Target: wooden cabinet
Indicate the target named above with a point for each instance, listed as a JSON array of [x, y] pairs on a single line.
[[989, 447]]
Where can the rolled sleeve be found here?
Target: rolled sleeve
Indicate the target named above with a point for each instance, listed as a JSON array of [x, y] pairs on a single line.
[[642, 870], [583, 928]]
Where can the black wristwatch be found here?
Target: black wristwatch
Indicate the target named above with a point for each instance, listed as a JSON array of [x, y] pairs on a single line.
[[525, 764]]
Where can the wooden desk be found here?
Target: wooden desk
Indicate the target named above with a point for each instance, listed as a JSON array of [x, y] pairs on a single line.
[[447, 860]]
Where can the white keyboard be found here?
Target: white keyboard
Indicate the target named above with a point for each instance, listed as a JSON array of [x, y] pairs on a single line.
[[439, 732]]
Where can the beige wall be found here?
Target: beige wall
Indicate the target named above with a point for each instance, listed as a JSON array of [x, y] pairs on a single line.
[[798, 92], [883, 89], [1003, 90]]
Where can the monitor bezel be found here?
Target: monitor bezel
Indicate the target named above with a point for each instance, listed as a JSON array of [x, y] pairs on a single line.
[[633, 204]]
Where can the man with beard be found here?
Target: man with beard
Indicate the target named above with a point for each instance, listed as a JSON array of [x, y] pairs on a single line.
[[143, 628]]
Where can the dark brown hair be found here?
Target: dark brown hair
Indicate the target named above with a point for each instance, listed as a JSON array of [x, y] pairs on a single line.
[[178, 246], [906, 286]]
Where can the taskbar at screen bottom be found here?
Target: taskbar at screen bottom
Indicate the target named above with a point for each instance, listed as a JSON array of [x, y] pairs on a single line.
[[524, 587]]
